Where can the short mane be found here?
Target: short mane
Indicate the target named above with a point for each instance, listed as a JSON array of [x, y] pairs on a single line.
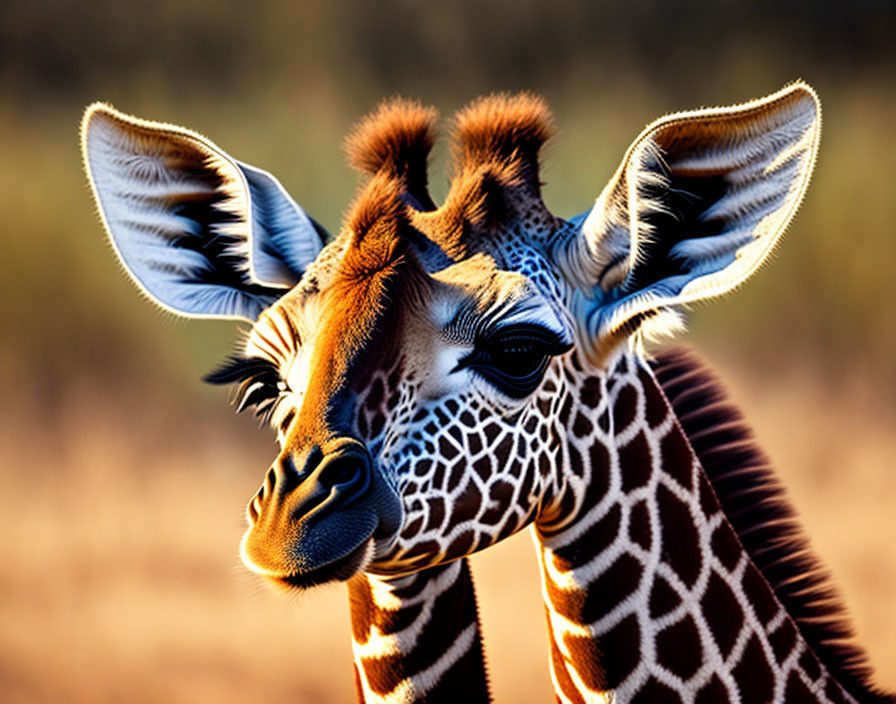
[[756, 505]]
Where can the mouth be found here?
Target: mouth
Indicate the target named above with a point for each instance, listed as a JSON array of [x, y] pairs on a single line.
[[337, 571]]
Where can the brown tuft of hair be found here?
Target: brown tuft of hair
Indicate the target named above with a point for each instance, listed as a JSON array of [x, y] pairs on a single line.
[[395, 139], [503, 128]]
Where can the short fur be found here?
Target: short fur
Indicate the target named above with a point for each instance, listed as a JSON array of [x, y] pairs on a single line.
[[755, 504]]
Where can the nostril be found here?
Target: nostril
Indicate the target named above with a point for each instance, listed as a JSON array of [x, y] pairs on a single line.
[[253, 510], [270, 481], [342, 471]]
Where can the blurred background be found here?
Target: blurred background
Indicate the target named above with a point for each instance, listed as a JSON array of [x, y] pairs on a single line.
[[123, 479]]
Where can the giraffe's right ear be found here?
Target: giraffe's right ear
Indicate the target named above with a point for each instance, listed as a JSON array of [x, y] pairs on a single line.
[[201, 233], [696, 206]]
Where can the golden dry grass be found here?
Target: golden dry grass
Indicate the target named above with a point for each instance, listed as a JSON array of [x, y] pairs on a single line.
[[120, 580]]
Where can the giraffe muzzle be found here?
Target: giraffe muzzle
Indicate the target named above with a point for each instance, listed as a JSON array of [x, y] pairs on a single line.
[[314, 519]]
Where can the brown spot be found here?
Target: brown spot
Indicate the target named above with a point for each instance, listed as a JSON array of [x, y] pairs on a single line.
[[639, 525], [467, 504], [474, 443], [677, 458], [725, 546], [582, 426], [678, 648], [565, 409], [834, 692], [709, 503], [359, 690], [599, 481], [412, 528], [681, 544], [810, 665], [621, 648], [492, 430], [635, 463], [461, 544], [483, 467], [663, 598], [464, 681], [755, 679], [447, 449], [783, 639], [656, 408], [590, 394], [760, 595], [421, 468], [528, 481], [625, 408], [591, 543], [618, 582], [510, 526], [575, 463], [713, 692], [722, 612], [798, 693], [501, 494], [456, 475], [436, 513]]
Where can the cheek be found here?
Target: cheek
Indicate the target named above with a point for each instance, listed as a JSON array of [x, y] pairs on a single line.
[[468, 479], [440, 380]]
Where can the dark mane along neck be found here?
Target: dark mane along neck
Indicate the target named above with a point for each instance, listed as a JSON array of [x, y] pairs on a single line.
[[758, 510]]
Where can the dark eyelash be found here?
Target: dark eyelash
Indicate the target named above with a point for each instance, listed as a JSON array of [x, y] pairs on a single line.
[[259, 382], [552, 343]]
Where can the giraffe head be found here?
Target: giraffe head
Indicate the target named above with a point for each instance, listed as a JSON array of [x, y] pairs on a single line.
[[419, 368]]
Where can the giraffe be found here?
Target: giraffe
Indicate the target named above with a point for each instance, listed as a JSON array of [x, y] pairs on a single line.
[[441, 376]]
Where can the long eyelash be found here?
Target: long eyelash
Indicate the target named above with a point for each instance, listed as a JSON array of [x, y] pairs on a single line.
[[236, 369], [259, 384]]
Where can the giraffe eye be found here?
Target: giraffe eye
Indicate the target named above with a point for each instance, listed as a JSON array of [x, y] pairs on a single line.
[[514, 358]]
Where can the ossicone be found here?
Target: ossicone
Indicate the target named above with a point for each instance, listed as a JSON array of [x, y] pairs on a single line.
[[395, 140]]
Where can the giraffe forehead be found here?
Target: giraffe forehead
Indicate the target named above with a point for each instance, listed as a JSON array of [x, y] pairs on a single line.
[[475, 294], [344, 318]]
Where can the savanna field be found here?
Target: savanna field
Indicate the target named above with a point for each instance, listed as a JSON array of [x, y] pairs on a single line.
[[123, 479]]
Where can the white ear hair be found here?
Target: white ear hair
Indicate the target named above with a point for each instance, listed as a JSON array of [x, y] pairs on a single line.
[[202, 234], [697, 204]]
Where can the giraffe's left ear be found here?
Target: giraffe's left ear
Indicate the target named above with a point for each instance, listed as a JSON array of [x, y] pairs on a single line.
[[201, 233], [695, 207]]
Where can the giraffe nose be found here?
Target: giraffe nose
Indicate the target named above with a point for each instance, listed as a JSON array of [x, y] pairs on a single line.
[[339, 476]]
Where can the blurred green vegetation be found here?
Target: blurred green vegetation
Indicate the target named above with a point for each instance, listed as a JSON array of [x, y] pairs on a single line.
[[278, 84]]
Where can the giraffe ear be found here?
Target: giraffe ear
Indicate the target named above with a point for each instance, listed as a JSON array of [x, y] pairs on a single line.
[[697, 204], [201, 233]]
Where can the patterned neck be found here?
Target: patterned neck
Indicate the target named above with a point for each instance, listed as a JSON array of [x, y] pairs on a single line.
[[651, 596], [417, 638]]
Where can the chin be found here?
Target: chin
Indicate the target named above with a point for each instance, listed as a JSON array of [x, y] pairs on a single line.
[[338, 570]]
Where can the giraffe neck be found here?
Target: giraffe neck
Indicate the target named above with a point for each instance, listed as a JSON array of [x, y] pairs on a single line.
[[417, 638], [650, 594]]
